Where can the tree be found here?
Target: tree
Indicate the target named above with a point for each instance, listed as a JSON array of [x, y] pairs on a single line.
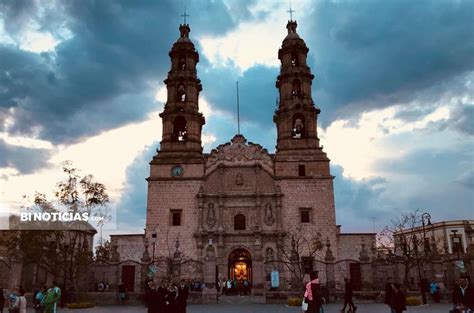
[[406, 245], [61, 248], [297, 251], [170, 264]]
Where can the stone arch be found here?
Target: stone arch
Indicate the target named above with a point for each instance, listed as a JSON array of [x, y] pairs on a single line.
[[181, 93], [180, 128], [298, 126], [296, 88]]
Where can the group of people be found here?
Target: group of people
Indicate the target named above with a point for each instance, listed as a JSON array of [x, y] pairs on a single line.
[[166, 298], [45, 299], [232, 287]]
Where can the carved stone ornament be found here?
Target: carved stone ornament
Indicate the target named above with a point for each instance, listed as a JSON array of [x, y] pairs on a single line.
[[269, 218], [211, 215], [239, 179], [239, 152]]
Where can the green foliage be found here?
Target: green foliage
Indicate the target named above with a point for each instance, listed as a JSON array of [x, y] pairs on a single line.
[[103, 252], [60, 248], [295, 301], [413, 300]]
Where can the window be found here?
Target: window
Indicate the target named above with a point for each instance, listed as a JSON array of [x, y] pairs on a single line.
[[305, 217], [239, 222], [175, 217], [301, 170]]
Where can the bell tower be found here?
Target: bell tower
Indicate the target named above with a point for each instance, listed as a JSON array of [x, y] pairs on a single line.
[[296, 117], [182, 121], [181, 146]]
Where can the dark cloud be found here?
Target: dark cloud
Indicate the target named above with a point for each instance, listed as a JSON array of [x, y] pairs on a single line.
[[358, 198], [25, 160], [257, 92], [462, 119], [368, 54], [131, 209], [116, 53]]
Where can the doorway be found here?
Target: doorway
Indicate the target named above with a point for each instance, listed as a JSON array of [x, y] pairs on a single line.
[[240, 270]]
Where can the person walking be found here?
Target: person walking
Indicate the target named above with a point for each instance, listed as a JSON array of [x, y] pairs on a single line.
[[51, 300], [463, 295], [122, 289], [348, 291], [39, 300], [183, 293], [20, 303], [398, 299], [3, 297], [389, 288], [312, 294]]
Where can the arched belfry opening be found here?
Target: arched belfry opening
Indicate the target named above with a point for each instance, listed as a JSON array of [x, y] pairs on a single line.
[[240, 266], [182, 63], [180, 132], [294, 59], [296, 88], [181, 93], [239, 222], [298, 129]]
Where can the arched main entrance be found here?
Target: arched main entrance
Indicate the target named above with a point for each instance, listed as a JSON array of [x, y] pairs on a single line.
[[240, 265]]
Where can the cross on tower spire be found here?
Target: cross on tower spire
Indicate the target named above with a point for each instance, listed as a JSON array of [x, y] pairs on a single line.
[[291, 11], [184, 15]]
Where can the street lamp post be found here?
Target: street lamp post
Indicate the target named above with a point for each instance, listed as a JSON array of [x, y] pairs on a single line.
[[424, 216], [456, 241]]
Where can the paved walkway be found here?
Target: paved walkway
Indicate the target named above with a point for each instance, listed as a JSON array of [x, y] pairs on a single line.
[[263, 308]]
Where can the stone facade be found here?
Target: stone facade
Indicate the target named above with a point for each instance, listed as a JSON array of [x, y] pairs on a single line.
[[240, 211]]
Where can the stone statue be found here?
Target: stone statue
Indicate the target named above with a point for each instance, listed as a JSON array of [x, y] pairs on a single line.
[[239, 179], [211, 215], [269, 255], [269, 219]]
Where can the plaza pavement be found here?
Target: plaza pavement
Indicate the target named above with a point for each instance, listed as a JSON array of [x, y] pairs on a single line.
[[263, 308]]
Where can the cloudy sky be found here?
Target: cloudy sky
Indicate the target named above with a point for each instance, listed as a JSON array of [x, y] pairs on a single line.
[[83, 81]]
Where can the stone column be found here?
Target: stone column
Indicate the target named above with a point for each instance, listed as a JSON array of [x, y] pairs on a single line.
[[209, 294], [258, 267], [365, 267], [176, 273], [146, 261], [330, 274]]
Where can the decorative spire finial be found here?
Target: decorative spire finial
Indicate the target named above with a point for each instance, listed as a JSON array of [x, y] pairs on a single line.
[[184, 15], [291, 11]]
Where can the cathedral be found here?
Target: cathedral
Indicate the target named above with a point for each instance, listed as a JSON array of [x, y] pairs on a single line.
[[240, 212]]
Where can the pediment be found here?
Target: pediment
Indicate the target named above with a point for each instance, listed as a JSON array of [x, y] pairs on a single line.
[[239, 152]]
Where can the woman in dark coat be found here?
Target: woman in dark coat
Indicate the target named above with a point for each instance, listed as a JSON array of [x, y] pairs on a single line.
[[182, 299], [171, 303], [161, 294], [398, 300]]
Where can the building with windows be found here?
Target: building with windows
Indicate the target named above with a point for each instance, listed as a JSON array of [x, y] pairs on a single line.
[[240, 212], [444, 250]]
